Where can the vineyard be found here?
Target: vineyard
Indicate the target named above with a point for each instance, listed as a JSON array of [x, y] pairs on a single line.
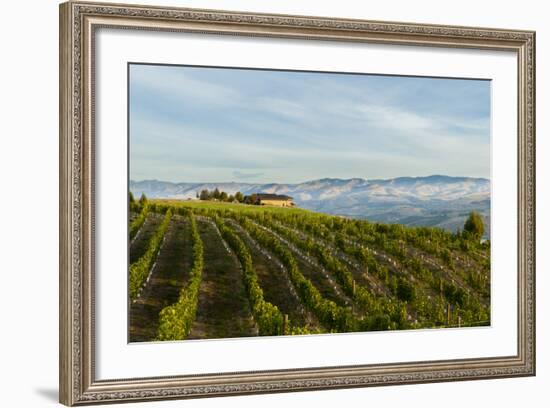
[[203, 270]]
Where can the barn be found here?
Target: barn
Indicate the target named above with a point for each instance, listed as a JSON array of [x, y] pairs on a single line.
[[278, 200]]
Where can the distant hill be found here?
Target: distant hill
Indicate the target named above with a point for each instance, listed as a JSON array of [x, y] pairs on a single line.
[[441, 201]]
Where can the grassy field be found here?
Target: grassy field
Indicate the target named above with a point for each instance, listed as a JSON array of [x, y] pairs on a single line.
[[223, 206], [236, 270]]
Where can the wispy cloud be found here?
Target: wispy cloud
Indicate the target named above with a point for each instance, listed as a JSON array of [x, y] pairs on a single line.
[[246, 176], [178, 86], [223, 124]]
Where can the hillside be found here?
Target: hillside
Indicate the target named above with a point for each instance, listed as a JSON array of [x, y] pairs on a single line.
[[217, 270], [439, 201]]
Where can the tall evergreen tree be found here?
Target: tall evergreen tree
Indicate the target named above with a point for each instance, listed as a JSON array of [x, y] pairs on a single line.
[[142, 199], [474, 225], [204, 195], [216, 194]]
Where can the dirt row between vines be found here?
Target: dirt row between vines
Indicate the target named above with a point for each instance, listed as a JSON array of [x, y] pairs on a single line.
[[170, 273], [223, 308]]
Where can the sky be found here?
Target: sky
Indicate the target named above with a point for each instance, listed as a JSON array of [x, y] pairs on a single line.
[[194, 124]]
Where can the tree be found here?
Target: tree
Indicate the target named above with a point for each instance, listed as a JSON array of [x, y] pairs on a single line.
[[204, 195], [132, 202], [142, 199], [216, 194], [239, 197], [253, 199], [223, 196], [474, 225]]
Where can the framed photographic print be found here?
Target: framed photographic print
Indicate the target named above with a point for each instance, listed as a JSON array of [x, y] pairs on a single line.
[[263, 203]]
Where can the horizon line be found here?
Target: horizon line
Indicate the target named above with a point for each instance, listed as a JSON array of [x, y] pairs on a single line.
[[312, 180]]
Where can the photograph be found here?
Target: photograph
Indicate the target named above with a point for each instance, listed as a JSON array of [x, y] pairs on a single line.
[[272, 201], [268, 202]]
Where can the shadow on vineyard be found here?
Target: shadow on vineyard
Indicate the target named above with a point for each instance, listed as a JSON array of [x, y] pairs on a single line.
[[206, 269]]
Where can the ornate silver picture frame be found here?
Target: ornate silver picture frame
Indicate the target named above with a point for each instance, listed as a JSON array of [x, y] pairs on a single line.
[[79, 23]]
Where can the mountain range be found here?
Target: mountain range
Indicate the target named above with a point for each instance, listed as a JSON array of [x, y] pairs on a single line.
[[441, 201]]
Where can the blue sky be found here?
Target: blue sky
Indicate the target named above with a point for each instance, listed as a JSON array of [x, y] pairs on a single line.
[[191, 124]]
